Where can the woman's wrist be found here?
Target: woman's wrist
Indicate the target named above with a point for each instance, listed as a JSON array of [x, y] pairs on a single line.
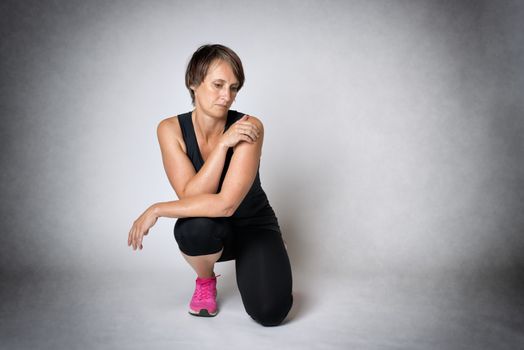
[[222, 145], [155, 210]]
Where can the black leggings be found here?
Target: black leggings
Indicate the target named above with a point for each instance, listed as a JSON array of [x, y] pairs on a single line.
[[262, 265]]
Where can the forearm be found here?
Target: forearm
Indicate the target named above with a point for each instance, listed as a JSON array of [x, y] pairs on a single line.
[[202, 205], [208, 177]]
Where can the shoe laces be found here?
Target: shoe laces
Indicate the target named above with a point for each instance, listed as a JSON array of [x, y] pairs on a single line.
[[204, 288]]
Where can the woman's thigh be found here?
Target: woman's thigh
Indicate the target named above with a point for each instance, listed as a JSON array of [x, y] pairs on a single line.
[[264, 275]]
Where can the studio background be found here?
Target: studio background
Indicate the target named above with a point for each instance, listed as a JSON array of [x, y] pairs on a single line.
[[393, 152]]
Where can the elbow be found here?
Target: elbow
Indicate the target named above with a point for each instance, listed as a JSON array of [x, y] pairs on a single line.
[[229, 210], [228, 207]]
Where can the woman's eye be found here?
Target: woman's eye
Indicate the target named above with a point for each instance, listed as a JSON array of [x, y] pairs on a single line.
[[218, 86]]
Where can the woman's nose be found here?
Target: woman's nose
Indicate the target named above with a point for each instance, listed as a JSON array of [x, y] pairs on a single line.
[[225, 94]]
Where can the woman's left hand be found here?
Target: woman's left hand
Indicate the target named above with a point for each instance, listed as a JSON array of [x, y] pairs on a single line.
[[141, 228]]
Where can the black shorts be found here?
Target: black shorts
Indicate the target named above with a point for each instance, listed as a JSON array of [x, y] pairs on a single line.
[[203, 235]]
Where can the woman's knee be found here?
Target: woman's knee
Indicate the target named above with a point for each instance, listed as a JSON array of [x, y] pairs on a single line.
[[272, 314], [200, 235]]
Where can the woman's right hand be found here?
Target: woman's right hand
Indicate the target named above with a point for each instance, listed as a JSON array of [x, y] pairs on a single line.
[[241, 130]]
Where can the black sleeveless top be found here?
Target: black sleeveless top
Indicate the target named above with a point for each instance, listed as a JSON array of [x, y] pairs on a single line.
[[255, 209]]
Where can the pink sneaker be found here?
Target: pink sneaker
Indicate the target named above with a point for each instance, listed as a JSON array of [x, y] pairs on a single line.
[[203, 302]]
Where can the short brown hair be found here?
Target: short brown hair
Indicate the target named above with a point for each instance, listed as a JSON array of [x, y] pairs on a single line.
[[201, 60]]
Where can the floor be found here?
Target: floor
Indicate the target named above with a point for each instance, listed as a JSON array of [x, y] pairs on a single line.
[[149, 309]]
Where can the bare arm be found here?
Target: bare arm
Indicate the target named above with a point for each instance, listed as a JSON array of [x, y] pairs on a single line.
[[182, 175], [207, 178], [179, 169], [239, 179], [200, 205]]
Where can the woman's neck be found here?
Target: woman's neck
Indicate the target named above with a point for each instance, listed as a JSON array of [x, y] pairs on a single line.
[[209, 127]]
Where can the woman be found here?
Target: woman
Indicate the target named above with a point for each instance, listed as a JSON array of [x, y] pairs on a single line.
[[211, 156]]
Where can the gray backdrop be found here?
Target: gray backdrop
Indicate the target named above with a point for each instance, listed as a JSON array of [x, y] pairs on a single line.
[[394, 130]]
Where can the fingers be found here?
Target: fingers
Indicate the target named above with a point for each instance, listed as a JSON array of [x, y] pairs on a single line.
[[253, 133], [139, 240], [135, 237], [247, 138], [131, 238], [248, 129], [244, 121], [242, 130]]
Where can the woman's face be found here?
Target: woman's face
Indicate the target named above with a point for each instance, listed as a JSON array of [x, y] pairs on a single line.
[[218, 90]]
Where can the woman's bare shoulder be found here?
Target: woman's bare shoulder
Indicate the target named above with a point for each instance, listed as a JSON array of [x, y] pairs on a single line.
[[169, 121], [256, 121], [251, 118], [169, 128]]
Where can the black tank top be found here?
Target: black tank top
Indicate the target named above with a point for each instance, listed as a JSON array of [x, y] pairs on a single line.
[[255, 209]]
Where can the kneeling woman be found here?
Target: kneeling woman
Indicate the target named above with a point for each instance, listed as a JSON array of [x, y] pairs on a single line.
[[211, 156]]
